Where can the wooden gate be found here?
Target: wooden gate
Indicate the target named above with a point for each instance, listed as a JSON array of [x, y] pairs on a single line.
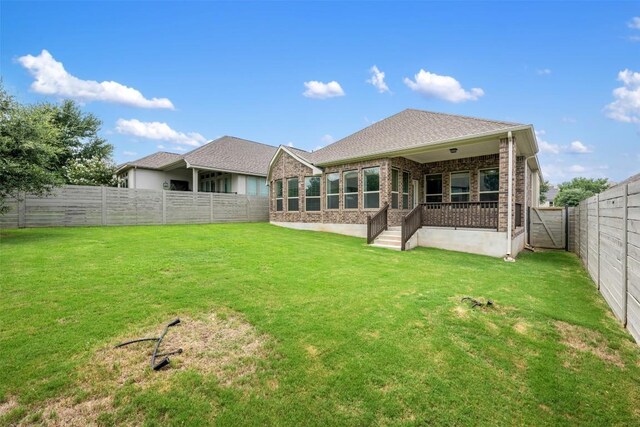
[[548, 228]]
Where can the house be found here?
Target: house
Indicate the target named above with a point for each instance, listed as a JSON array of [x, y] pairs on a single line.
[[225, 165], [550, 196], [416, 178]]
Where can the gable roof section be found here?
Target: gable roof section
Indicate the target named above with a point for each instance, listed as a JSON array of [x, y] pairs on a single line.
[[406, 130], [232, 154], [300, 155], [153, 161]]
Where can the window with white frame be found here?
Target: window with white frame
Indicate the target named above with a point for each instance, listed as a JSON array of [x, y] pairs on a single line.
[[278, 191], [460, 186], [256, 186], [207, 182], [395, 188], [312, 193], [489, 183], [405, 190], [433, 188], [333, 190], [350, 190], [371, 188], [292, 194]]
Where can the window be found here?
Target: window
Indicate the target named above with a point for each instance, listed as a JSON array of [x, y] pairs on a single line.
[[350, 190], [312, 193], [395, 182], [256, 186], [489, 185], [460, 187], [207, 183], [371, 193], [333, 190], [279, 195], [405, 190], [292, 194], [227, 184], [433, 188]]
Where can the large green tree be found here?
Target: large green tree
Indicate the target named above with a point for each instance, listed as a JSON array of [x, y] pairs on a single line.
[[46, 145], [544, 189], [578, 189]]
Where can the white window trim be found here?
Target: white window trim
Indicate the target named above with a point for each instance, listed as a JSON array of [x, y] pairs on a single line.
[[364, 186], [480, 193], [397, 192], [293, 198], [441, 194], [332, 194], [468, 172], [405, 193], [319, 197], [281, 198], [344, 190]]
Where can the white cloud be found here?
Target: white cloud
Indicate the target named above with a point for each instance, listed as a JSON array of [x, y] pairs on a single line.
[[634, 23], [319, 90], [444, 87], [161, 147], [626, 107], [543, 72], [327, 139], [546, 147], [179, 148], [129, 153], [52, 79], [576, 169], [290, 144], [568, 120], [158, 131], [578, 147], [377, 79]]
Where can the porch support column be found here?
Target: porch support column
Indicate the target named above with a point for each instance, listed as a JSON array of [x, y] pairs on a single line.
[[503, 200], [194, 180]]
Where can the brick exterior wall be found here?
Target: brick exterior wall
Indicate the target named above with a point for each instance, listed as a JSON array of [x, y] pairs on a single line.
[[288, 167]]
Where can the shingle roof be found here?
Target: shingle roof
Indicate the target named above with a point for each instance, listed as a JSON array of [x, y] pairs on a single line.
[[407, 129], [154, 161], [233, 154]]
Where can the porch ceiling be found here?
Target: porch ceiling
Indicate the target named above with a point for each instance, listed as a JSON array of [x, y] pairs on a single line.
[[482, 148]]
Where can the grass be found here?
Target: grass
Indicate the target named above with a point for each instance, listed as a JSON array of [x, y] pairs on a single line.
[[352, 335]]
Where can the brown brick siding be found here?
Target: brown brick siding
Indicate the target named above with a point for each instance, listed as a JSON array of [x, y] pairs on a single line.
[[471, 164]]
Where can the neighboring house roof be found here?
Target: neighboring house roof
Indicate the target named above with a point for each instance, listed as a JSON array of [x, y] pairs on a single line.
[[153, 161], [228, 154], [551, 194], [405, 130], [232, 154]]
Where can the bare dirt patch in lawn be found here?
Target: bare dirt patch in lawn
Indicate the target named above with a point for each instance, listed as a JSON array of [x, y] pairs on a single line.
[[219, 344], [589, 341], [8, 405]]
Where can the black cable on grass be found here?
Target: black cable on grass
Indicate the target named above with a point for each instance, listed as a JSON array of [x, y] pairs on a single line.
[[165, 361], [476, 303]]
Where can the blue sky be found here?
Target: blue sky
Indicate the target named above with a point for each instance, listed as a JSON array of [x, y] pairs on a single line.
[[186, 72]]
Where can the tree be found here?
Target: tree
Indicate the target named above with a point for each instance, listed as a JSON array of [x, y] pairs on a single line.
[[544, 189], [46, 145], [578, 189]]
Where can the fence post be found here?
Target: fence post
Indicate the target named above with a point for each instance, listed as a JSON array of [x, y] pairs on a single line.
[[22, 209], [104, 205], [598, 236], [625, 254], [210, 208], [164, 207], [566, 228]]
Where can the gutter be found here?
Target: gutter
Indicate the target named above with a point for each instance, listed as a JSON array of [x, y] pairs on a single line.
[[509, 198]]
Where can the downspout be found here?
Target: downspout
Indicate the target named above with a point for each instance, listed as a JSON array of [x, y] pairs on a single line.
[[509, 197]]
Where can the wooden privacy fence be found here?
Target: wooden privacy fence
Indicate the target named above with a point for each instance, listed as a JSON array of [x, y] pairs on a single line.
[[547, 228], [605, 233], [74, 205]]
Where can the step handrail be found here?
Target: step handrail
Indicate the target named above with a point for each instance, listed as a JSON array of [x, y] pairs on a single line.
[[377, 223], [411, 222]]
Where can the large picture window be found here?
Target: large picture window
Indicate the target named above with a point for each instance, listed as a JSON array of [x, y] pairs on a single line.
[[460, 187], [312, 193], [279, 195], [405, 190], [292, 194], [395, 187], [256, 186], [350, 190], [371, 193], [489, 181], [433, 188], [333, 190]]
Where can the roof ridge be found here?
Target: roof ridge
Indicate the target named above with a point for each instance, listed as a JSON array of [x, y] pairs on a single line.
[[461, 116], [227, 136]]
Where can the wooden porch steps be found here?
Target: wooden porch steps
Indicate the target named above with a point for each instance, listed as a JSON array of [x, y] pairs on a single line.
[[389, 239]]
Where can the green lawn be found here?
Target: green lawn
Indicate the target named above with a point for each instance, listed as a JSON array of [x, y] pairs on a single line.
[[351, 335]]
